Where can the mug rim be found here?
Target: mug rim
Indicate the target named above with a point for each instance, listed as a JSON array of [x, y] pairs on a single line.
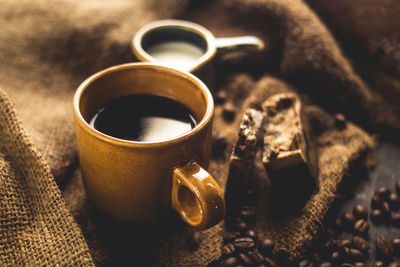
[[206, 118], [141, 54]]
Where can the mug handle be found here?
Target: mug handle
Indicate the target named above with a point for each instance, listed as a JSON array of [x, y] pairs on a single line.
[[247, 42], [196, 196]]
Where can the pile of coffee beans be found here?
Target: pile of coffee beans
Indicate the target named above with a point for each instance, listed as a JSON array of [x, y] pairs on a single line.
[[242, 247]]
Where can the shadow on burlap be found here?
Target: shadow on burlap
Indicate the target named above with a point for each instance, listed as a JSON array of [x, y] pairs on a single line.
[[48, 49]]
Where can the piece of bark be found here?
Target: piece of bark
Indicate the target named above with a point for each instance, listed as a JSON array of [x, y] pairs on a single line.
[[242, 159], [288, 150]]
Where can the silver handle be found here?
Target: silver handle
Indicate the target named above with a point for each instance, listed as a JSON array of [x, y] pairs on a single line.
[[241, 42]]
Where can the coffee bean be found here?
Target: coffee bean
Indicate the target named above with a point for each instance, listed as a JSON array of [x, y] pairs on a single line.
[[395, 219], [230, 262], [383, 192], [266, 247], [360, 212], [354, 254], [244, 243], [377, 216], [398, 187], [228, 112], [378, 264], [256, 257], [394, 264], [331, 245], [252, 234], [228, 250], [251, 198], [242, 226], [346, 264], [376, 201], [335, 256], [361, 226], [384, 246], [360, 264], [248, 214], [306, 263], [270, 263], [394, 201], [396, 246], [245, 259], [348, 221], [194, 240], [325, 264], [360, 243], [340, 121], [221, 97], [230, 236], [385, 209], [344, 243]]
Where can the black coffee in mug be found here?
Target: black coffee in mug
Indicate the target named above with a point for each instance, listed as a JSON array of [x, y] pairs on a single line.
[[143, 118]]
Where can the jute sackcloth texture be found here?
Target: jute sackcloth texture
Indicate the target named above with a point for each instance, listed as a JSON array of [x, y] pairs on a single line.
[[47, 48]]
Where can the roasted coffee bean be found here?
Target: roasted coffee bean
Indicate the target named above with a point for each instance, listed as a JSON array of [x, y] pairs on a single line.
[[248, 214], [394, 201], [395, 219], [360, 212], [228, 250], [377, 216], [270, 263], [256, 257], [378, 264], [214, 263], [266, 247], [360, 243], [244, 259], [306, 263], [398, 187], [376, 201], [251, 198], [244, 243], [242, 226], [340, 121], [396, 246], [251, 233], [354, 254], [331, 244], [194, 240], [394, 264], [228, 112], [346, 264], [385, 208], [383, 192], [361, 226], [230, 262], [335, 256], [344, 243], [230, 236], [348, 221], [384, 246], [325, 264], [360, 264], [221, 97]]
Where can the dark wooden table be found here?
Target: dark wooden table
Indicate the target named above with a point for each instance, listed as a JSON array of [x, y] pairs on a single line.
[[386, 173]]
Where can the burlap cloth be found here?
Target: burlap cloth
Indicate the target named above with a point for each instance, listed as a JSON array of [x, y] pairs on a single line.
[[339, 56]]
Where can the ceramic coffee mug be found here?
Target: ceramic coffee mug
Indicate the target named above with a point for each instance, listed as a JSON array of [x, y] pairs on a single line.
[[186, 46], [142, 181]]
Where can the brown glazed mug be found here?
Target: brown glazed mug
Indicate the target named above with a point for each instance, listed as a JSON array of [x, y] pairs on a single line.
[[142, 181]]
